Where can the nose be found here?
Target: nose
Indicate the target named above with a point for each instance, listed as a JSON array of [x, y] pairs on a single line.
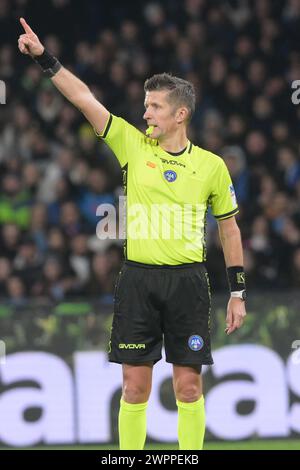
[[146, 115]]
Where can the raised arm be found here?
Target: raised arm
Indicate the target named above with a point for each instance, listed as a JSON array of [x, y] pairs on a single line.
[[76, 91]]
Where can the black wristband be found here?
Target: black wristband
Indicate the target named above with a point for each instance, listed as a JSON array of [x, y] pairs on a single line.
[[236, 278], [49, 64]]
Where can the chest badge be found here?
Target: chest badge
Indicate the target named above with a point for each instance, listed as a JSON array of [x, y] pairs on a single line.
[[170, 175]]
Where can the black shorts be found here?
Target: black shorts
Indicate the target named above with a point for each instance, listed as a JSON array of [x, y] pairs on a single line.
[[156, 304]]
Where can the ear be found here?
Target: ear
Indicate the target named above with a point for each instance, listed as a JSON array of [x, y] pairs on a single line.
[[181, 115]]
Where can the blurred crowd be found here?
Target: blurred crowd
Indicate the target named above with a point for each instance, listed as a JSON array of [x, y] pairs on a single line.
[[242, 57]]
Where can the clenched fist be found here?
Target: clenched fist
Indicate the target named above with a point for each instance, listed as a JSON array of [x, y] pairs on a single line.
[[29, 43]]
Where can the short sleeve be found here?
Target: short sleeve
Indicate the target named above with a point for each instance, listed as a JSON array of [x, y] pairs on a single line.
[[222, 199], [122, 138]]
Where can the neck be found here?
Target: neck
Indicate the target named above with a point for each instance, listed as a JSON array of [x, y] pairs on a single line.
[[174, 142]]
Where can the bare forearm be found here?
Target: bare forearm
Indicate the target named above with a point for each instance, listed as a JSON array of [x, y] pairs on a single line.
[[232, 247], [79, 94], [71, 87]]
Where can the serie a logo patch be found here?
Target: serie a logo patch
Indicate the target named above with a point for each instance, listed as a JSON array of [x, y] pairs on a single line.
[[195, 342], [232, 195], [170, 175]]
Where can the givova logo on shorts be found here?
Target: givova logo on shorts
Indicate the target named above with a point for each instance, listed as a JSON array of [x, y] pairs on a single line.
[[132, 346], [195, 342]]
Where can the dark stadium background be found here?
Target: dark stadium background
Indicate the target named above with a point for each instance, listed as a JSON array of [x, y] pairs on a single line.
[[56, 277]]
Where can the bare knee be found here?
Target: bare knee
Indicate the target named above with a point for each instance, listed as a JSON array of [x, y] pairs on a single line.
[[187, 383], [137, 383], [135, 393], [188, 393]]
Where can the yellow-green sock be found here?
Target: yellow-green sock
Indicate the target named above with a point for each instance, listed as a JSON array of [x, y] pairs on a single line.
[[132, 425], [191, 424]]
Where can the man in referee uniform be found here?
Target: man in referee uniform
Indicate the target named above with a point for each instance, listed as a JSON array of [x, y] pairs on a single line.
[[162, 292]]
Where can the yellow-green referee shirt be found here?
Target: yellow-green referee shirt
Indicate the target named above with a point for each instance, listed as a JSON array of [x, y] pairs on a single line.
[[168, 196]]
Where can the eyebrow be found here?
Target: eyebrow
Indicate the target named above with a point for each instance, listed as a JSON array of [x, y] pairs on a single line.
[[155, 103]]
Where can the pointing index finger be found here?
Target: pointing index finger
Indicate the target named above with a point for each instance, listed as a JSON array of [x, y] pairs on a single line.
[[26, 26]]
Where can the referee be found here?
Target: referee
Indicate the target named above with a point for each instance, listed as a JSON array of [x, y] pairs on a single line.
[[162, 292]]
